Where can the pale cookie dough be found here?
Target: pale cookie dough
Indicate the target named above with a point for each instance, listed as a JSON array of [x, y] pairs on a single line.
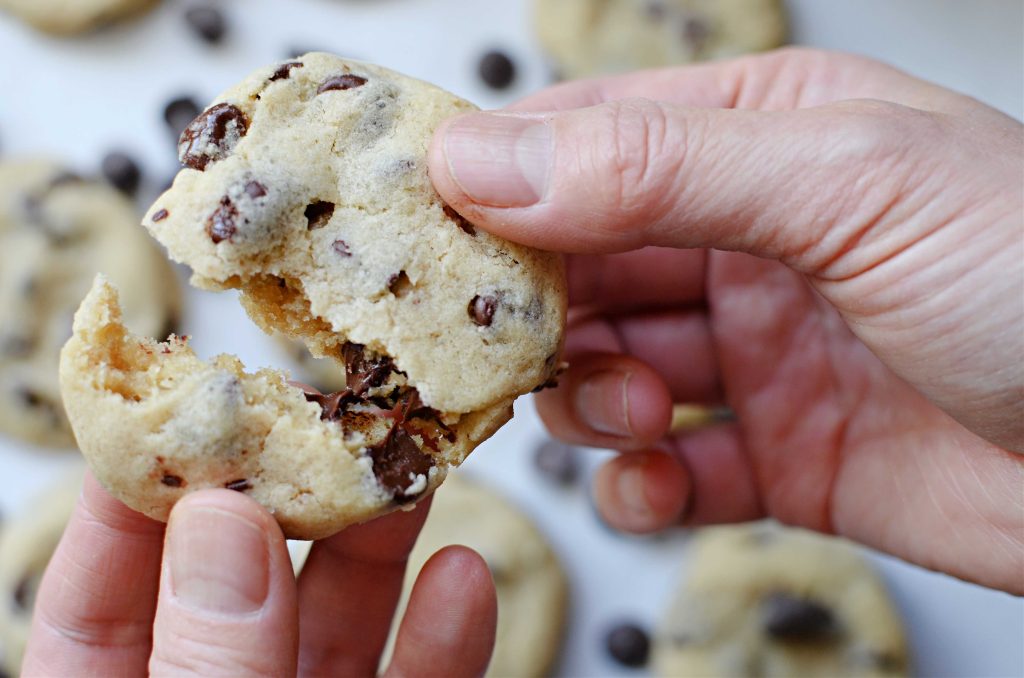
[[26, 544], [531, 586], [761, 600], [155, 422], [57, 230], [67, 17], [593, 37]]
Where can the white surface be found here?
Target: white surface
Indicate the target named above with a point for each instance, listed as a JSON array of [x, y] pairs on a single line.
[[75, 99]]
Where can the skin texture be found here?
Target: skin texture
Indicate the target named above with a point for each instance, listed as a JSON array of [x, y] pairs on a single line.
[[212, 593], [860, 309]]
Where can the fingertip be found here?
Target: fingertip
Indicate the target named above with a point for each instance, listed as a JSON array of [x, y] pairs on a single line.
[[642, 492]]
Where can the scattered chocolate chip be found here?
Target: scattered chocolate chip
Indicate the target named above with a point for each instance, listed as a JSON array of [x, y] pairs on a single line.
[[212, 135], [341, 82], [284, 71], [362, 373], [179, 112], [496, 69], [160, 215], [399, 284], [332, 405], [172, 480], [696, 32], [121, 171], [221, 225], [30, 397], [398, 461], [557, 461], [240, 485], [789, 618], [207, 23], [481, 310], [255, 189], [459, 220], [628, 644], [341, 248], [318, 214], [23, 594]]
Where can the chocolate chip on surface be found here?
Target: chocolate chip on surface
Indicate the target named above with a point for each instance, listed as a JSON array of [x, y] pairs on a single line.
[[341, 82], [179, 112], [318, 214], [399, 284], [171, 480], [557, 461], [240, 485], [482, 308], [160, 215], [362, 373], [255, 189], [121, 171], [459, 220], [212, 135], [223, 223], [207, 23], [496, 69], [284, 71], [790, 618], [628, 644], [341, 248], [398, 461], [332, 405]]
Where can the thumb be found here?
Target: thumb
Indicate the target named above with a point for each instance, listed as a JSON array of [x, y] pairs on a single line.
[[630, 173]]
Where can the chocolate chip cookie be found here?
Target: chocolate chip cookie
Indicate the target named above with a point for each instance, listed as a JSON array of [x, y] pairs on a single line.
[[66, 17], [26, 544], [592, 37], [531, 586], [306, 188], [56, 231], [762, 600]]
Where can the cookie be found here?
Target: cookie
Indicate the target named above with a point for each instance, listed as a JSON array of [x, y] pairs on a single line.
[[760, 600], [56, 231], [67, 17], [531, 586], [26, 544], [592, 37]]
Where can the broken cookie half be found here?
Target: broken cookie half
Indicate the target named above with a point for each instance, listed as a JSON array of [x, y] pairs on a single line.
[[155, 422]]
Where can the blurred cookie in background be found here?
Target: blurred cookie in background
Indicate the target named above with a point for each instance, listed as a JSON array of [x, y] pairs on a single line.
[[68, 17], [593, 37], [57, 230], [27, 542], [763, 600], [532, 588]]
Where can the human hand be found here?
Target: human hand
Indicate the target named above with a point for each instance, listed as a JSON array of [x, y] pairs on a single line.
[[860, 311], [216, 596]]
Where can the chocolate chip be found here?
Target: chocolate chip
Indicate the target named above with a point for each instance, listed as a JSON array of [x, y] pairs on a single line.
[[332, 405], [172, 480], [318, 214], [362, 373], [481, 310], [121, 171], [284, 71], [255, 189], [557, 461], [789, 618], [341, 82], [23, 594], [656, 10], [160, 215], [696, 32], [397, 462], [179, 112], [240, 485], [207, 23], [211, 136], [628, 644], [340, 247], [496, 69], [222, 224], [459, 220], [399, 284]]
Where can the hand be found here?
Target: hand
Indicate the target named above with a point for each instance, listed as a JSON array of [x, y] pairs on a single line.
[[216, 596], [861, 309]]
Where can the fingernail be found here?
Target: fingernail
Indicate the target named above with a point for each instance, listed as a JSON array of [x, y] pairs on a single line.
[[219, 562], [603, 404], [499, 160], [630, 487]]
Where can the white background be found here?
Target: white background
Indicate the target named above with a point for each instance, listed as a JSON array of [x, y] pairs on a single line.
[[75, 99]]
